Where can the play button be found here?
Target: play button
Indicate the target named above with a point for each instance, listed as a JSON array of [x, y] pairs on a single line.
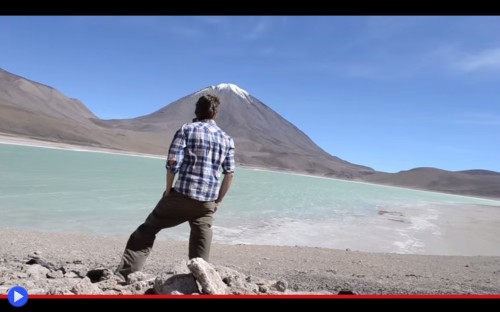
[[18, 296]]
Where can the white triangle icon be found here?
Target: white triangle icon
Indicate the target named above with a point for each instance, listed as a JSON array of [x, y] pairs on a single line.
[[17, 296]]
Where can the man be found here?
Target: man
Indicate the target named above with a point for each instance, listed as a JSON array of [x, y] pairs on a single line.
[[198, 152]]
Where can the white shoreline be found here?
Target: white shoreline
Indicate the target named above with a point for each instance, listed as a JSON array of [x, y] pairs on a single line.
[[69, 147]]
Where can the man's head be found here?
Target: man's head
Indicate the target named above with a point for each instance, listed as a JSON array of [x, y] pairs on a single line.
[[207, 107]]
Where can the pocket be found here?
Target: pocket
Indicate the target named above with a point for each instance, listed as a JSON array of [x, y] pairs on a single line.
[[210, 205]]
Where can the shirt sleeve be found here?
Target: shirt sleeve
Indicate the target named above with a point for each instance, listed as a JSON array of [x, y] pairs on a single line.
[[228, 164], [176, 151]]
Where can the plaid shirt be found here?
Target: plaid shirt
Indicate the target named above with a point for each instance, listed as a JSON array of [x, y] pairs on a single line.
[[201, 149]]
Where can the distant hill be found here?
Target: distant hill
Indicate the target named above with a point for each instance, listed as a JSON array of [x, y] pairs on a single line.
[[481, 183], [262, 137]]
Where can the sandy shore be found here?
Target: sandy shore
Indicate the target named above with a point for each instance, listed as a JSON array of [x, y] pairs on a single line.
[[306, 270]]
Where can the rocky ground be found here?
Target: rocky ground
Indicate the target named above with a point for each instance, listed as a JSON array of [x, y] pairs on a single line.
[[193, 277], [54, 263]]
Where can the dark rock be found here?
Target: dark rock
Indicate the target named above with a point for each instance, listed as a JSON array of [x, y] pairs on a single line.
[[346, 292], [263, 289], [281, 286], [38, 261], [98, 275]]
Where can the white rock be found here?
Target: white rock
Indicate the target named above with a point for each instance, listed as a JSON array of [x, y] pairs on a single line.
[[85, 287], [37, 271], [207, 276]]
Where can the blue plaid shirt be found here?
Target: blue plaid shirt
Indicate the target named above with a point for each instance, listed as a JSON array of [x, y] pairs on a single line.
[[201, 149]]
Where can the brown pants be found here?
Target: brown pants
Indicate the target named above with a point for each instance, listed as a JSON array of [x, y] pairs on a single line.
[[170, 211]]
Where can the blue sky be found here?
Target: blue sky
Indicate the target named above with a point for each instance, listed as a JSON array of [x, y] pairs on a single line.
[[389, 92]]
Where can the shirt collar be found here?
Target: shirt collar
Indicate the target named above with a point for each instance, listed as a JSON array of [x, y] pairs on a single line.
[[209, 121]]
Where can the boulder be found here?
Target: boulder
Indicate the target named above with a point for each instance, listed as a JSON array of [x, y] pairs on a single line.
[[167, 284], [207, 276]]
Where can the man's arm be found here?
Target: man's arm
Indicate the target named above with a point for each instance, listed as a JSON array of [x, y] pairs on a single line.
[[175, 158], [170, 182], [226, 184], [228, 168]]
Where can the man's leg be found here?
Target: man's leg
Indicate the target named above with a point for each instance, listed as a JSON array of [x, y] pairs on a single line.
[[200, 238], [139, 245]]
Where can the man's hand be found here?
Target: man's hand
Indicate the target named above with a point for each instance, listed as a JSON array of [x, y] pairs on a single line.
[[170, 182], [226, 183]]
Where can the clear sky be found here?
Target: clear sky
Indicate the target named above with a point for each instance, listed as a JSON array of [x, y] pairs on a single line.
[[389, 92]]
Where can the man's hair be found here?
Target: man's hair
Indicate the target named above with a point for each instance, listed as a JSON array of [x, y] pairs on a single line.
[[206, 107]]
